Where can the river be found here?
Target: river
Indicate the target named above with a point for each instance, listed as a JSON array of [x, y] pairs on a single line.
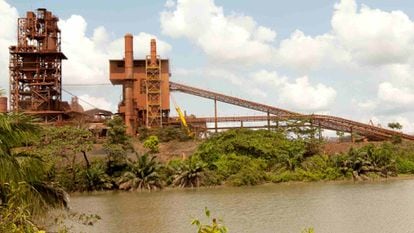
[[380, 207]]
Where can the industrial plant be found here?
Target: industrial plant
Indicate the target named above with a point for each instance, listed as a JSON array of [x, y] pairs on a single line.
[[36, 88]]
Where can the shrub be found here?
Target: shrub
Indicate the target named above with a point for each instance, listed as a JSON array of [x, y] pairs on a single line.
[[405, 166], [95, 178], [189, 173], [142, 174], [152, 143], [164, 134], [247, 176], [241, 170], [116, 160]]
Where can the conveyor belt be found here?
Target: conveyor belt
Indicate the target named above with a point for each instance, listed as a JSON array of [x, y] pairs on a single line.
[[324, 121]]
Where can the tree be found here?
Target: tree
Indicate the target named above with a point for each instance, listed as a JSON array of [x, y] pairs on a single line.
[[66, 143], [189, 173], [117, 132], [116, 146], [143, 174], [152, 143], [395, 125], [24, 190]]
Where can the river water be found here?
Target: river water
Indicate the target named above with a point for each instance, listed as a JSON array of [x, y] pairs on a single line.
[[380, 207]]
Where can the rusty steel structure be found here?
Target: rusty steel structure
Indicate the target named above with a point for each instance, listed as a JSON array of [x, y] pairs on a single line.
[[275, 114], [145, 87], [36, 66]]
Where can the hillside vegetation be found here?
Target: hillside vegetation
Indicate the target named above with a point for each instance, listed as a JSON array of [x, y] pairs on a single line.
[[38, 165]]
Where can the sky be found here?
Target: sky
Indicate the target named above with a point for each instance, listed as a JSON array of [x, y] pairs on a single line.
[[348, 58]]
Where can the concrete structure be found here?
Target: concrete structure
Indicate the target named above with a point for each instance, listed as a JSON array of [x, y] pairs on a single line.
[[145, 87]]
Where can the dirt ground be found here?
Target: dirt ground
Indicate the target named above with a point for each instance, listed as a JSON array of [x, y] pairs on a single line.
[[172, 149], [331, 148]]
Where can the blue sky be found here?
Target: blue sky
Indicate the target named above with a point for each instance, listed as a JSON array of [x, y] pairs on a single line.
[[348, 58]]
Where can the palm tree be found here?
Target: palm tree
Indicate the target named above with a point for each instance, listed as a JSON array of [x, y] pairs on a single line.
[[22, 174], [143, 174], [189, 174]]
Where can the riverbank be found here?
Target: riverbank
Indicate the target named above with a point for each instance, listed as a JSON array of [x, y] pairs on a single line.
[[239, 158]]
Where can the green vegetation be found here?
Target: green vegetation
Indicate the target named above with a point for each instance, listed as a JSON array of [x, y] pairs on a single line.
[[38, 164], [152, 144], [142, 174], [165, 134], [215, 226], [24, 188], [395, 125], [189, 173]]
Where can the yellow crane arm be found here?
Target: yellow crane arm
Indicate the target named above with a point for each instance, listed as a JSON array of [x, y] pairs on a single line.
[[182, 118]]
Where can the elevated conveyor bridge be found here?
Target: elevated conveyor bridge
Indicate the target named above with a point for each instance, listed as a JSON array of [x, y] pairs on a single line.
[[277, 114]]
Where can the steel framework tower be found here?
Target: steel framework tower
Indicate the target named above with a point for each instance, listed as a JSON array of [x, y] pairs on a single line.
[[153, 88], [36, 66]]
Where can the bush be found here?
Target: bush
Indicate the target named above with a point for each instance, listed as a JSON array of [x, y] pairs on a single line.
[[165, 134], [247, 176], [270, 146], [321, 167], [240, 170], [189, 173], [95, 178], [142, 174], [152, 143], [405, 166], [116, 160]]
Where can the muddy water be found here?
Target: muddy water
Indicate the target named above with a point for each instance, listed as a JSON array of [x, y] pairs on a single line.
[[386, 207]]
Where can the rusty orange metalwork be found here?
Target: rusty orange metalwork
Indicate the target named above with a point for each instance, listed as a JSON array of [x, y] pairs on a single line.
[[36, 66], [145, 87], [322, 121]]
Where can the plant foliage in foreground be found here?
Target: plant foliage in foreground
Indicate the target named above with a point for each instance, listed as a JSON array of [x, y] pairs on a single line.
[[24, 189], [214, 227]]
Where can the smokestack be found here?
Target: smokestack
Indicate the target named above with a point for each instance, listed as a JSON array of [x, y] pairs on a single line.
[[129, 72], [153, 52], [129, 56]]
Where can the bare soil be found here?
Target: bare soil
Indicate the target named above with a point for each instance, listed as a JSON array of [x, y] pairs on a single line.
[[332, 148], [172, 149]]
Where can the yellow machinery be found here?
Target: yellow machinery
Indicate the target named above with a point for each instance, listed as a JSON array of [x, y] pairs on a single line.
[[182, 118]]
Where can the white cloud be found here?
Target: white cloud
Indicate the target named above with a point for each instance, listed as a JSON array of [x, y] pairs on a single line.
[[8, 31], [88, 56], [300, 94], [398, 96], [271, 78], [373, 36], [234, 38], [90, 102], [304, 53], [359, 35], [169, 3], [86, 62], [368, 105]]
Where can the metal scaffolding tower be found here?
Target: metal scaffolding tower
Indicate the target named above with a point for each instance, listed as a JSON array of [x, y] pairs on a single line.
[[36, 66]]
